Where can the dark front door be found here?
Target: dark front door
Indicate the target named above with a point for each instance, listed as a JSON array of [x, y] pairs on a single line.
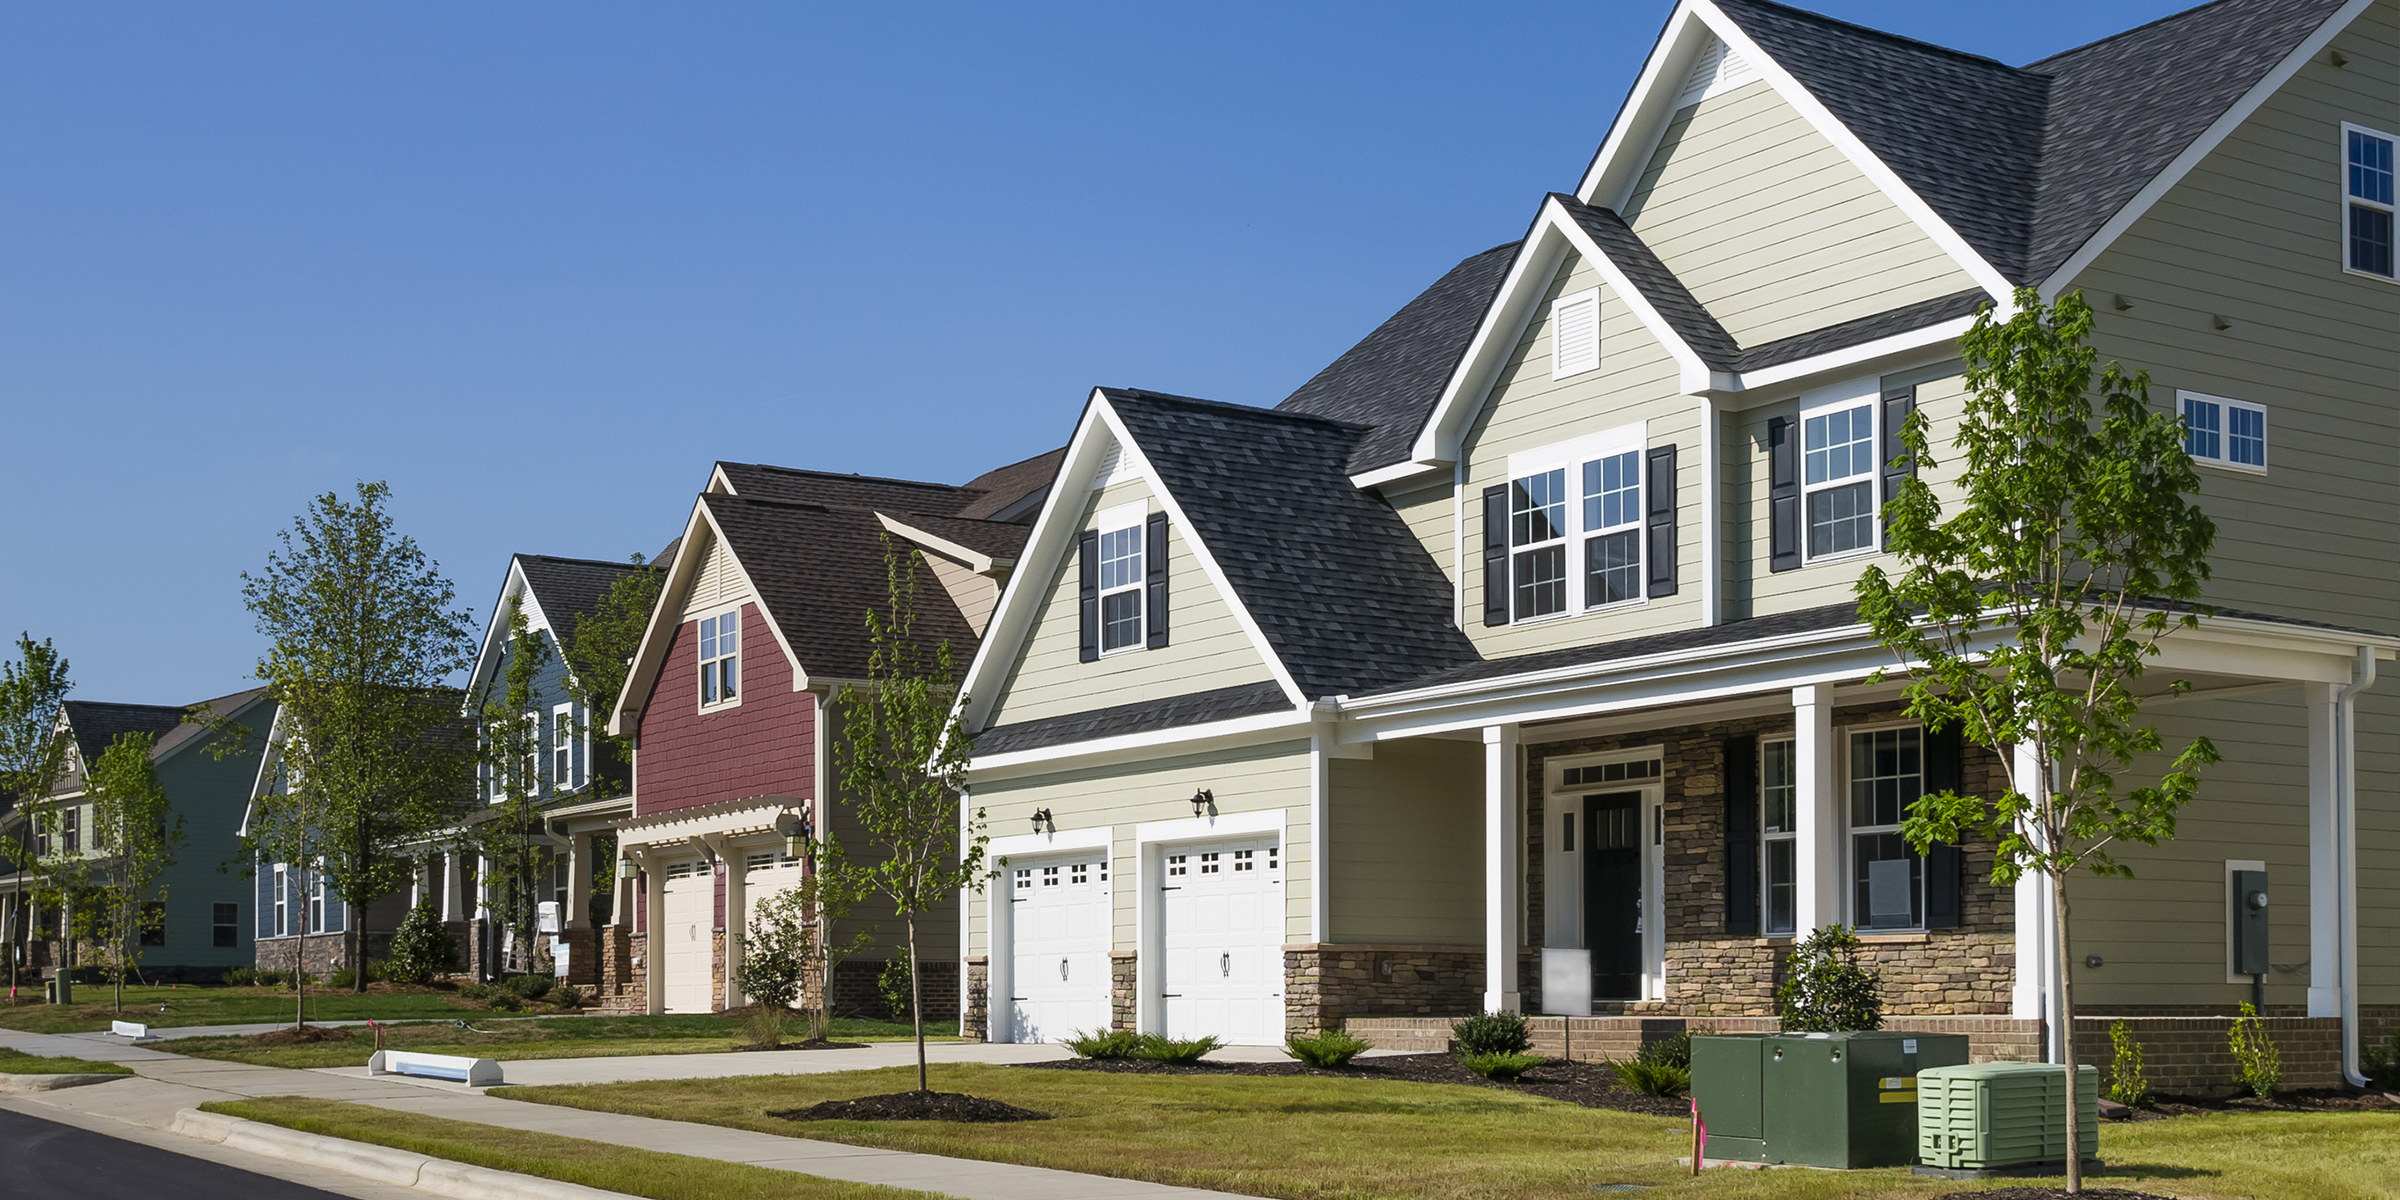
[[1612, 893]]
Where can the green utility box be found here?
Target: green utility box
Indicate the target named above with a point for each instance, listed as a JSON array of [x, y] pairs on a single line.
[[1816, 1099], [1994, 1115], [59, 989]]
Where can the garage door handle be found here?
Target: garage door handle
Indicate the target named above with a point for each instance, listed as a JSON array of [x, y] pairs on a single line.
[[1062, 970], [1225, 965]]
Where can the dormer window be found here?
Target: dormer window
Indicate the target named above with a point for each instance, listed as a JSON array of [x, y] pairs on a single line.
[[2367, 201], [1121, 586], [1121, 582], [720, 658]]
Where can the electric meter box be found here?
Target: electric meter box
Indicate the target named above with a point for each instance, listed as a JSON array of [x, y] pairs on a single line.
[[1842, 1100], [1993, 1115]]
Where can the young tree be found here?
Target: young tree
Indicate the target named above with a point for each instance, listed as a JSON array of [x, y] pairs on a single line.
[[599, 653], [2026, 617], [139, 836], [511, 750], [903, 759], [33, 750], [361, 637]]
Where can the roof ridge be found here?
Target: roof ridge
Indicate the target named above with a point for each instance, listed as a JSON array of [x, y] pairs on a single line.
[[778, 502], [2034, 66], [593, 562], [856, 476], [131, 704], [1248, 409], [1884, 34]]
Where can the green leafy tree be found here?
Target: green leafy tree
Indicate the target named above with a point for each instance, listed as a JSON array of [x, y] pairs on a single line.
[[795, 939], [361, 636], [1825, 988], [903, 758], [138, 836], [511, 751], [2025, 618], [421, 948], [33, 750], [599, 653]]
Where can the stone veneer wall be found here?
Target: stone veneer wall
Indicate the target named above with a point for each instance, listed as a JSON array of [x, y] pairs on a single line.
[[623, 984], [1326, 985], [1956, 972], [976, 1022], [1124, 990], [317, 953]]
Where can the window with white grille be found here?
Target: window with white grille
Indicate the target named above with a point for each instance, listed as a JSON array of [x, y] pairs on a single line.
[[2224, 433], [2367, 201], [720, 658]]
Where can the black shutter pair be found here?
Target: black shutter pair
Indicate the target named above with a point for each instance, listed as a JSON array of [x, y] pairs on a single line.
[[1658, 533], [1944, 866], [1154, 587], [1741, 836]]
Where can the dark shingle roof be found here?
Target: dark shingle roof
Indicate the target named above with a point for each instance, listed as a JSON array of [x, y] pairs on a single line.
[[1000, 539], [1006, 490], [819, 570], [1144, 716], [98, 724], [1808, 620], [1391, 379], [568, 588], [1348, 598], [759, 481]]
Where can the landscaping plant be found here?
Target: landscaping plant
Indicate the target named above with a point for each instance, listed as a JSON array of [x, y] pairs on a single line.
[[2383, 1066], [1825, 989], [1502, 1068], [135, 836], [1326, 1050], [1105, 1043], [421, 948], [1491, 1033], [894, 982], [1653, 1078], [2255, 1052], [33, 750], [2126, 1083], [511, 750], [1181, 1052], [2026, 618]]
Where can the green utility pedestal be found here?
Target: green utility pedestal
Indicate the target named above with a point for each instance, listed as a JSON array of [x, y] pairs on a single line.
[[1817, 1099], [59, 989]]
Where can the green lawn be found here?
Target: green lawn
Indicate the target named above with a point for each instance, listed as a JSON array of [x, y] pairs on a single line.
[[572, 1160], [13, 1062], [558, 1037], [193, 1005], [1312, 1138]]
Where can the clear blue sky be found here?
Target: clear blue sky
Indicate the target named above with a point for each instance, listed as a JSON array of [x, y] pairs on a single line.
[[539, 265]]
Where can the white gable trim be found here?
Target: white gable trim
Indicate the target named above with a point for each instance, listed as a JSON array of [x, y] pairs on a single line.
[[650, 657], [495, 636], [2201, 147]]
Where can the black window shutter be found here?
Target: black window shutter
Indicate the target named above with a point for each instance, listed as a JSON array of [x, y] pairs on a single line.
[[1741, 836], [1154, 557], [1898, 463], [1087, 593], [1661, 492], [1495, 554], [1944, 869], [1783, 494]]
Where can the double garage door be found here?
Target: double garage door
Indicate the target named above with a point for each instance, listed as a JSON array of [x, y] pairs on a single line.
[[1220, 912]]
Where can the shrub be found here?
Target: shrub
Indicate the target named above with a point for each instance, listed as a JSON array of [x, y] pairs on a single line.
[[567, 995], [1654, 1078], [342, 977], [2261, 1062], [1179, 1052], [475, 990], [503, 1000], [421, 948], [1492, 1033], [1330, 1049], [2126, 1084], [894, 984], [1504, 1068], [530, 987], [1673, 1050], [764, 1024], [2383, 1065], [241, 977], [1826, 990], [1105, 1043]]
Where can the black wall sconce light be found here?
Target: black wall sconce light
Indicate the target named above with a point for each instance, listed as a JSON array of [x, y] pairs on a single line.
[[1042, 822], [1204, 803]]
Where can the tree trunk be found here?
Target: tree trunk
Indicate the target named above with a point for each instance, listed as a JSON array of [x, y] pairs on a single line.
[[2066, 1038], [916, 1000], [350, 928]]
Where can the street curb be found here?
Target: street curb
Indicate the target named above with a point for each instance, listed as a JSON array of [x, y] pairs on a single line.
[[25, 1084], [402, 1168]]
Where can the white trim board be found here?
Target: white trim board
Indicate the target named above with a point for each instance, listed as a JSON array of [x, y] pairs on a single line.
[[1097, 837], [1234, 824]]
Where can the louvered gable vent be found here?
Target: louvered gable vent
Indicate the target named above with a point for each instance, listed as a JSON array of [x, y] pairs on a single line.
[[1720, 69], [1575, 334]]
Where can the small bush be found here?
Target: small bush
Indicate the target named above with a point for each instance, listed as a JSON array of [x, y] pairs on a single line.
[[895, 987], [1653, 1078], [241, 977], [475, 990], [421, 948], [1673, 1050], [1826, 990], [1327, 1050], [2126, 1083], [765, 1025], [2261, 1062], [1504, 1068], [567, 995], [2383, 1065], [342, 977], [1105, 1043], [1181, 1052], [1492, 1033], [503, 1000], [530, 987]]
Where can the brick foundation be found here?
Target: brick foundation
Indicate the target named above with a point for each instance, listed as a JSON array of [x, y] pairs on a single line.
[[1989, 1039], [2193, 1056], [858, 989], [1324, 986]]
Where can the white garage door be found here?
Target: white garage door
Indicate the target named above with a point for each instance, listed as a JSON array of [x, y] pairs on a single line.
[[1221, 909], [1060, 929], [771, 873], [688, 954]]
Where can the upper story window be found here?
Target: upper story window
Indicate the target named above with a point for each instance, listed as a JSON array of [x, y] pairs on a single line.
[[1121, 578], [1575, 525], [1537, 538], [70, 831], [2222, 432], [720, 658], [2367, 200], [1121, 582], [1575, 334], [562, 747], [1612, 526], [1887, 774], [1779, 829], [1837, 448], [531, 780]]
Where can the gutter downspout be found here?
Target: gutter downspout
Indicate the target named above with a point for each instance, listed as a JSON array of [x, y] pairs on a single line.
[[2345, 832]]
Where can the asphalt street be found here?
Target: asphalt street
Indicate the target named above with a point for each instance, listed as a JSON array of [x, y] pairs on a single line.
[[45, 1159]]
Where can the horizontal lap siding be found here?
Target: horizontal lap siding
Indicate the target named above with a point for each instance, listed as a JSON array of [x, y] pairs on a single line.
[[1250, 779], [1405, 848], [1636, 382], [763, 746], [1432, 515], [1206, 646], [1772, 229]]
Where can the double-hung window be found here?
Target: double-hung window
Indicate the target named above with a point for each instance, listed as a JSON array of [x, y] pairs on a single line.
[[70, 831], [1575, 525], [2367, 208], [316, 902], [562, 747], [1537, 539], [720, 658], [1121, 577], [1837, 447], [1779, 828], [225, 926], [282, 894], [1612, 528], [2222, 432], [1887, 774]]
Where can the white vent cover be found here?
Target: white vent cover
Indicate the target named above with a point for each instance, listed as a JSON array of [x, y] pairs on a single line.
[[1117, 466], [1575, 334], [1720, 69]]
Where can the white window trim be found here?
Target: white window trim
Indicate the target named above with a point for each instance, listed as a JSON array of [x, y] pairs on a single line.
[[1579, 307], [741, 676], [1849, 394], [562, 719], [1569, 458], [2341, 160], [1133, 515], [1850, 832], [2225, 432], [277, 890], [539, 754], [1765, 877]]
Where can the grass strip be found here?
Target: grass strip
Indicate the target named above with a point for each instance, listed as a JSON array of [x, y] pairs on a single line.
[[514, 1040], [15, 1062], [569, 1160]]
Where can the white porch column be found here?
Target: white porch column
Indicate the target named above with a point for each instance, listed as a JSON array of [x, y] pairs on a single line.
[[1503, 841], [579, 882], [2034, 994], [2324, 852], [1817, 811], [1000, 970], [654, 907]]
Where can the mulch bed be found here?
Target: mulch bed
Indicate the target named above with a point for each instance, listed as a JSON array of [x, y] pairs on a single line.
[[913, 1106], [301, 1035], [1591, 1085], [2051, 1193], [2304, 1100]]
